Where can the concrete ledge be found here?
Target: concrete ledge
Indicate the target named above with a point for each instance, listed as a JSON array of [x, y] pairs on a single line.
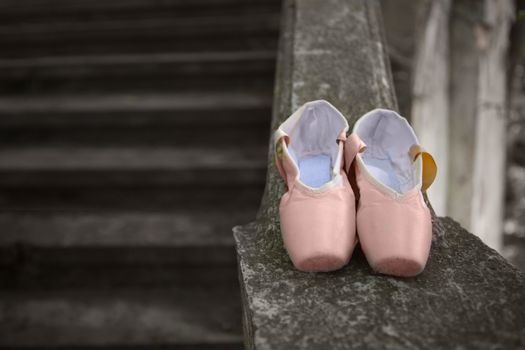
[[468, 297]]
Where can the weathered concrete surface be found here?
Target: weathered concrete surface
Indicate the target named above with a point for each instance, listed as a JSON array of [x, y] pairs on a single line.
[[468, 297]]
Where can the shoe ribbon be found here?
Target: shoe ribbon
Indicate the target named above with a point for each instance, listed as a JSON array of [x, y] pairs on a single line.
[[429, 165]]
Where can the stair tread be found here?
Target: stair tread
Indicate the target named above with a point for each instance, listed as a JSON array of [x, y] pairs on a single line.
[[130, 36], [70, 167], [130, 158], [121, 317], [180, 237], [132, 102], [136, 27], [136, 198], [116, 27], [60, 62], [136, 118], [176, 228], [63, 5], [242, 71], [75, 36], [44, 9]]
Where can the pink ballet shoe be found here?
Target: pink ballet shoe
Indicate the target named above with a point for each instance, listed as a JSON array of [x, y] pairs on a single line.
[[393, 222], [318, 210]]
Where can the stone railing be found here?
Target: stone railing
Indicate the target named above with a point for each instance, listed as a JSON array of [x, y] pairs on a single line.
[[468, 296]]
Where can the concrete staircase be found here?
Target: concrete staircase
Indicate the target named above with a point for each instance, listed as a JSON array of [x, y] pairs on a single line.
[[133, 136]]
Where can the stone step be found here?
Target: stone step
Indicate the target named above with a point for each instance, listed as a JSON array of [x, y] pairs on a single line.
[[199, 197], [108, 110], [221, 136], [187, 136], [47, 275], [70, 229], [140, 26], [139, 34], [201, 71], [131, 166], [62, 104], [12, 10], [174, 228], [167, 317], [213, 118], [115, 238]]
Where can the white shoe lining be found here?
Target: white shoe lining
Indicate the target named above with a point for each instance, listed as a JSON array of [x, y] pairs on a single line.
[[388, 138], [313, 143]]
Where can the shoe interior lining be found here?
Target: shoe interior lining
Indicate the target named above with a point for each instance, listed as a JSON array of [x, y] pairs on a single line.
[[388, 138], [313, 143]]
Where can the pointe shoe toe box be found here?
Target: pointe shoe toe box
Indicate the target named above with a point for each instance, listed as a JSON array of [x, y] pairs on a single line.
[[318, 231], [396, 235]]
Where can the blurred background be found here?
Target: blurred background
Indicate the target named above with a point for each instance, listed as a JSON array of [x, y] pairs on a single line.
[[134, 136]]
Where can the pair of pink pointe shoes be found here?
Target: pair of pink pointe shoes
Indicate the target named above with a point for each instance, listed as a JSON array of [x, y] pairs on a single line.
[[319, 215]]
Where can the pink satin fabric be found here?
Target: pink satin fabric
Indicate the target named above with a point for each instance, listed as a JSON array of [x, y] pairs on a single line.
[[395, 233], [318, 227]]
